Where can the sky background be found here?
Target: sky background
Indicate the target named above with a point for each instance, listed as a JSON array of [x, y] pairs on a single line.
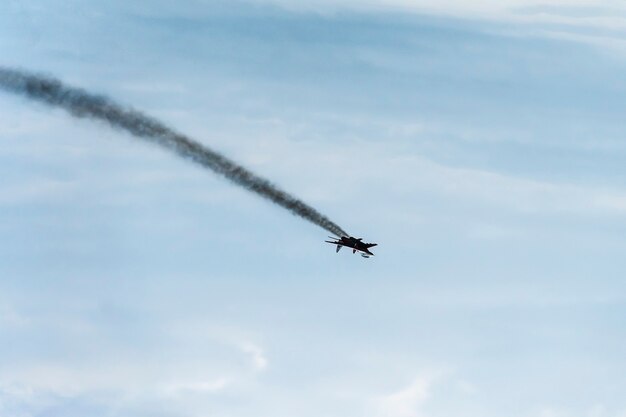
[[481, 144]]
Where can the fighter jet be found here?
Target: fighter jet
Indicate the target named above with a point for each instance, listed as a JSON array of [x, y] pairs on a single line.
[[352, 243]]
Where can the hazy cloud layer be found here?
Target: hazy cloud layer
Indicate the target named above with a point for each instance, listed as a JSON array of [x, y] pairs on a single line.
[[484, 154]]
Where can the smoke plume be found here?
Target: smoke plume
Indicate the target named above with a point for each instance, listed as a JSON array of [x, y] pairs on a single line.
[[82, 104]]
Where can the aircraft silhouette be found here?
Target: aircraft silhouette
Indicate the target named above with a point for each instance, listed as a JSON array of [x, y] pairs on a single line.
[[353, 243]]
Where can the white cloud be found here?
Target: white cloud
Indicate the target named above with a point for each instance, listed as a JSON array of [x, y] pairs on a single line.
[[408, 401], [178, 388], [399, 175], [188, 368], [521, 10], [134, 383], [577, 19], [615, 44], [259, 360]]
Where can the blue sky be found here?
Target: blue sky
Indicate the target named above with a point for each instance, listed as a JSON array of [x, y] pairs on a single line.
[[481, 145]]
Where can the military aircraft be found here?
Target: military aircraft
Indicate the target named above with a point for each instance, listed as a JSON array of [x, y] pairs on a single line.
[[352, 243]]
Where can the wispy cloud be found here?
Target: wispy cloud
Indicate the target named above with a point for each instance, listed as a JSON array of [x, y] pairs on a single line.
[[180, 388], [408, 401], [130, 285], [99, 367], [257, 356], [393, 173], [494, 9]]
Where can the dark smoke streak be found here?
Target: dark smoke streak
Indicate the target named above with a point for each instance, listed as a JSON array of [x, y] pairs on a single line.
[[80, 103]]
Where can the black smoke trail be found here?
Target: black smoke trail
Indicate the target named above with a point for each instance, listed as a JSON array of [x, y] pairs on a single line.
[[80, 103]]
